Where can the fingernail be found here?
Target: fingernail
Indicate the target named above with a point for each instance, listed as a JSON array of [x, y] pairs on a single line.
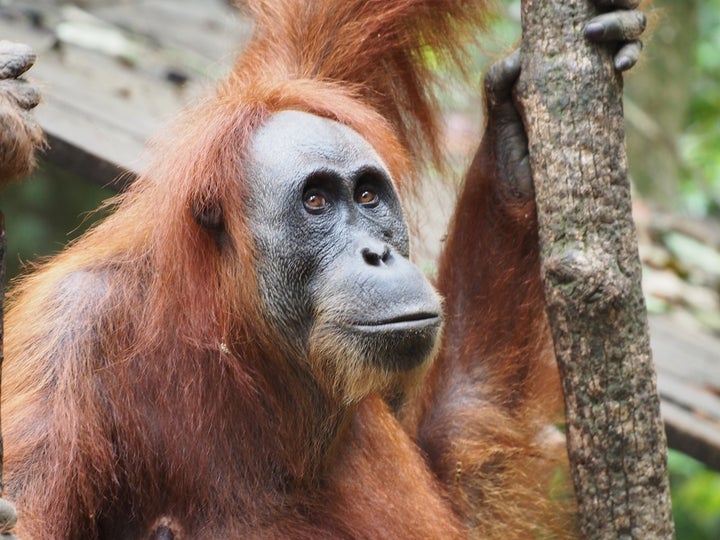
[[623, 63], [594, 30]]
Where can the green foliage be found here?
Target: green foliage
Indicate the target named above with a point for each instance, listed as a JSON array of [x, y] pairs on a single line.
[[700, 143], [45, 212], [696, 498]]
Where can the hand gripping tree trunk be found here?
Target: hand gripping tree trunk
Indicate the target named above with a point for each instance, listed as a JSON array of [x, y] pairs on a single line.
[[571, 100]]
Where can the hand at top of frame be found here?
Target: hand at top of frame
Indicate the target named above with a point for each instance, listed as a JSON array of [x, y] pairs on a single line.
[[622, 23], [20, 134]]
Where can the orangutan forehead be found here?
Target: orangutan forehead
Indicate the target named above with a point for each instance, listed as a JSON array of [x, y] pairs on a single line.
[[302, 141]]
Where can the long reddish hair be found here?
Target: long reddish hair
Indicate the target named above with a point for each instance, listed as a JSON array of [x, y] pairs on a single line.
[[167, 296], [363, 63]]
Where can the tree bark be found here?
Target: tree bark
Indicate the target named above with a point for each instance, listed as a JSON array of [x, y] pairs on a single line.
[[571, 100]]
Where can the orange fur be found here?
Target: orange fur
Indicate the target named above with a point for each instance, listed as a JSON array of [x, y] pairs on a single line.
[[143, 387], [486, 412]]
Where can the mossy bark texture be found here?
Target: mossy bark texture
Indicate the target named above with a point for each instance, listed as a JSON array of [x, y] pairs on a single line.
[[571, 99]]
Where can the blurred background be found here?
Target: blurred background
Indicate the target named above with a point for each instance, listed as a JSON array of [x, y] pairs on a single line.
[[153, 56]]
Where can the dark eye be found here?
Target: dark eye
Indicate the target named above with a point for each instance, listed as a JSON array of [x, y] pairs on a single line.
[[314, 201], [367, 197]]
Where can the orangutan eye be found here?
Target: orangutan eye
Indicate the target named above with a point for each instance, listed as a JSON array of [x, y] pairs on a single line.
[[367, 197], [314, 201]]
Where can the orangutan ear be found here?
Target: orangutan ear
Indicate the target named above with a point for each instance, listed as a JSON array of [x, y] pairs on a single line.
[[209, 215]]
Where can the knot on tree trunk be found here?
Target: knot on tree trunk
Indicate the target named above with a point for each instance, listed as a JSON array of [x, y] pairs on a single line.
[[588, 274]]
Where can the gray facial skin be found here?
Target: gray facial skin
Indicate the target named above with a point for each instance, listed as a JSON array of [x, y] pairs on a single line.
[[333, 245]]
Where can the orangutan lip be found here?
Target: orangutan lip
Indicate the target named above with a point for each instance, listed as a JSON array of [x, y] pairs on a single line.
[[405, 321]]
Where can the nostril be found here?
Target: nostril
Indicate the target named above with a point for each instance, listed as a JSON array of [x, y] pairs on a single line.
[[375, 257], [371, 257]]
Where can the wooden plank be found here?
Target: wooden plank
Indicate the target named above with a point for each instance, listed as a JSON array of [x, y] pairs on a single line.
[[703, 404], [99, 111], [688, 370], [684, 352], [690, 396], [86, 163], [691, 435], [692, 418], [209, 30]]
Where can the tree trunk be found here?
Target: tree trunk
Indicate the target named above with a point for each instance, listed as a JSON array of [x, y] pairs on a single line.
[[571, 100]]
